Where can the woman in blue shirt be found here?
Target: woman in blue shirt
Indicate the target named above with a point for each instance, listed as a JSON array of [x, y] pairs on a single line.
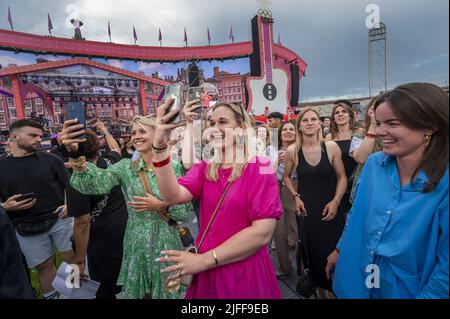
[[396, 240]]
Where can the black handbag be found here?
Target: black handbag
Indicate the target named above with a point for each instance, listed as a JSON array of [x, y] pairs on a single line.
[[35, 227], [306, 286]]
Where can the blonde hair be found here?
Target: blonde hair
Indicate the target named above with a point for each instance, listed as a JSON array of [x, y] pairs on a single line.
[[244, 121], [299, 135], [143, 121]]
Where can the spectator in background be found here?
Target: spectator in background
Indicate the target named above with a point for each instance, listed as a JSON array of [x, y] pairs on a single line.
[[364, 144], [40, 220], [342, 131], [127, 148], [286, 232], [321, 187], [275, 119], [99, 222], [326, 124]]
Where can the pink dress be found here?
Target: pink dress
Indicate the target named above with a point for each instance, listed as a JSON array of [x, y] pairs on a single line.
[[253, 196]]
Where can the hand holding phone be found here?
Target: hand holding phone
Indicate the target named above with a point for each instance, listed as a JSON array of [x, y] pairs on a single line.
[[76, 111], [25, 196], [175, 91], [195, 94], [20, 202]]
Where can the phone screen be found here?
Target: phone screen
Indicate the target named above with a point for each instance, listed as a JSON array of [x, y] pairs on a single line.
[[175, 91], [195, 93], [76, 110], [25, 196]]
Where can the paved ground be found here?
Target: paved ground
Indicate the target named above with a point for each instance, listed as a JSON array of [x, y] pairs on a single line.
[[287, 285]]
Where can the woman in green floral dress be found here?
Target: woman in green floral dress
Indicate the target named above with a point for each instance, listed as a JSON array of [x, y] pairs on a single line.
[[147, 234]]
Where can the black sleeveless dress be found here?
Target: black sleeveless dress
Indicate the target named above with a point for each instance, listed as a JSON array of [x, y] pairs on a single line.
[[317, 187], [350, 166]]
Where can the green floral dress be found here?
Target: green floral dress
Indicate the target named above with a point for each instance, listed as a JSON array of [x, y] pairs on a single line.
[[146, 234]]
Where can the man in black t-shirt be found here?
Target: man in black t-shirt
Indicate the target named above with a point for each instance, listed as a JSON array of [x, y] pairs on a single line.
[[39, 219], [100, 221]]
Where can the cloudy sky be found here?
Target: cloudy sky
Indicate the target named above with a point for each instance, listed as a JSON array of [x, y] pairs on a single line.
[[331, 36]]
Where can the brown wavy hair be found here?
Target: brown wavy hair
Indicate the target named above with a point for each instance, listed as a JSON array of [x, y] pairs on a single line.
[[424, 106], [91, 146], [333, 126]]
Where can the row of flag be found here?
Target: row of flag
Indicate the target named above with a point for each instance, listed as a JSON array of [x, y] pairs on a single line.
[[160, 38], [135, 36]]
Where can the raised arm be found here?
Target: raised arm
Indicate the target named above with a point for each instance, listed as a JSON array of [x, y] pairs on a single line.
[[361, 154], [112, 143], [190, 135], [87, 178], [170, 190]]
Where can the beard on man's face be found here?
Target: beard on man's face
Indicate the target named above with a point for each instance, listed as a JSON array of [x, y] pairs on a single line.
[[29, 148]]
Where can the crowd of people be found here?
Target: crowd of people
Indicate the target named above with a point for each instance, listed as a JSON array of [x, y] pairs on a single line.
[[363, 204]]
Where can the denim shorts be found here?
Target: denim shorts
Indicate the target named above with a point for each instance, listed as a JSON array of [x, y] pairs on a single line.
[[39, 248]]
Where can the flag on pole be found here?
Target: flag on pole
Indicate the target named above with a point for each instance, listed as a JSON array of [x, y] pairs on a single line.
[[10, 19], [185, 37], [209, 37], [135, 35], [279, 38], [109, 31], [160, 37], [231, 35], [50, 24]]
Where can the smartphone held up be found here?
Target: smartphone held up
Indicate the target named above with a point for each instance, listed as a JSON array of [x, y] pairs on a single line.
[[76, 110], [175, 91]]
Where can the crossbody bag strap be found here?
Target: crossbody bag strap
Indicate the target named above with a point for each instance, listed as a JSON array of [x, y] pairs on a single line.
[[214, 214], [148, 189]]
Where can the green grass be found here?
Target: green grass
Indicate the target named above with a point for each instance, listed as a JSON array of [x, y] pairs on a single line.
[[35, 279]]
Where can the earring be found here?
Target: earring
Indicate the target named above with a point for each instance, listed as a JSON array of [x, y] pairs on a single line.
[[427, 139]]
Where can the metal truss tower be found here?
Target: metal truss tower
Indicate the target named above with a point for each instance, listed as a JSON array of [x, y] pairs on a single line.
[[377, 60]]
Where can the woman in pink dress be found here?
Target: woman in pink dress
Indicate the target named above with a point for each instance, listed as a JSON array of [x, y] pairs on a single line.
[[233, 261]]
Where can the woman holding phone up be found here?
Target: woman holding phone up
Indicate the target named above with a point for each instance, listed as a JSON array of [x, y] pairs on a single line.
[[233, 259], [146, 232]]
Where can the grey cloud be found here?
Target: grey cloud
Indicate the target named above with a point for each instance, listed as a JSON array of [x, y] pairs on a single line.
[[329, 35]]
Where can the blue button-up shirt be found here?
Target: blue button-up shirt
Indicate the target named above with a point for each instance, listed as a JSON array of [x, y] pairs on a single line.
[[395, 243]]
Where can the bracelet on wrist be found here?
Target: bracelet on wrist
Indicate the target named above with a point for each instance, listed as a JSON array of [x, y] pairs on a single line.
[[215, 257], [163, 148], [296, 195], [371, 135], [162, 163]]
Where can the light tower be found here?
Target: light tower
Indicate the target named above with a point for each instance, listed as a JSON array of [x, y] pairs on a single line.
[[377, 60]]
